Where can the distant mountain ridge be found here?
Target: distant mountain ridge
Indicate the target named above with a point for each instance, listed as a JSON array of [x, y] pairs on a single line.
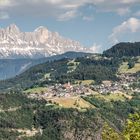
[[12, 67], [89, 67], [37, 44], [123, 49]]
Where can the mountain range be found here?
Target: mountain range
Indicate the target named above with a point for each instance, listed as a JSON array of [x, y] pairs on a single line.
[[21, 50], [15, 44]]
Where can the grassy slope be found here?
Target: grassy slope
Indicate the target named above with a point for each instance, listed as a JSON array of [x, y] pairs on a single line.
[[36, 90], [72, 102], [124, 68]]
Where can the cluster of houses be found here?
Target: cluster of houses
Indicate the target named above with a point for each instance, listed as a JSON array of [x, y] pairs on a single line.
[[68, 90], [122, 85]]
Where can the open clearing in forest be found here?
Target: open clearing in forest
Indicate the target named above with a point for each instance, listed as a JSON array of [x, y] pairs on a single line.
[[115, 97], [72, 102], [36, 90], [24, 132], [85, 82], [72, 65], [125, 69]]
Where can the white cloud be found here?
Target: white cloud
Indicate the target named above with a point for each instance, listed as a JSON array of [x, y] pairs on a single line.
[[96, 48], [4, 15], [68, 15], [60, 8], [88, 18], [132, 25], [4, 2], [123, 11], [121, 7]]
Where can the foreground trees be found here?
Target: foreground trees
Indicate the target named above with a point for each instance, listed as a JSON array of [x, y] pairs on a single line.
[[109, 133], [132, 128]]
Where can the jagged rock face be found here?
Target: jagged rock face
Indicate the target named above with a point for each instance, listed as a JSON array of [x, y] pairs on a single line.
[[37, 44]]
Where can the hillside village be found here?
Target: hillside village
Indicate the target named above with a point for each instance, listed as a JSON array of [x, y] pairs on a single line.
[[122, 85]]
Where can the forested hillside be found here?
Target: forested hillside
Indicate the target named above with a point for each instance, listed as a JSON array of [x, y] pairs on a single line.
[[123, 49], [40, 120], [65, 70], [11, 67]]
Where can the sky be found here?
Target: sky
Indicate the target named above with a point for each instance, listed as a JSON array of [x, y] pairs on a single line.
[[94, 23]]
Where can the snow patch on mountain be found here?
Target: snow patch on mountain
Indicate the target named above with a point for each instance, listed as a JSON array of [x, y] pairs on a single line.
[[37, 44]]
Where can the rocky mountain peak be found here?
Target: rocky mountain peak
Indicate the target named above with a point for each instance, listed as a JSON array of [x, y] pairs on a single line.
[[40, 29], [12, 28], [42, 34], [37, 44]]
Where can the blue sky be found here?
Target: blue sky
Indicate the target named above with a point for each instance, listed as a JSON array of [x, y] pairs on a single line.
[[94, 23]]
